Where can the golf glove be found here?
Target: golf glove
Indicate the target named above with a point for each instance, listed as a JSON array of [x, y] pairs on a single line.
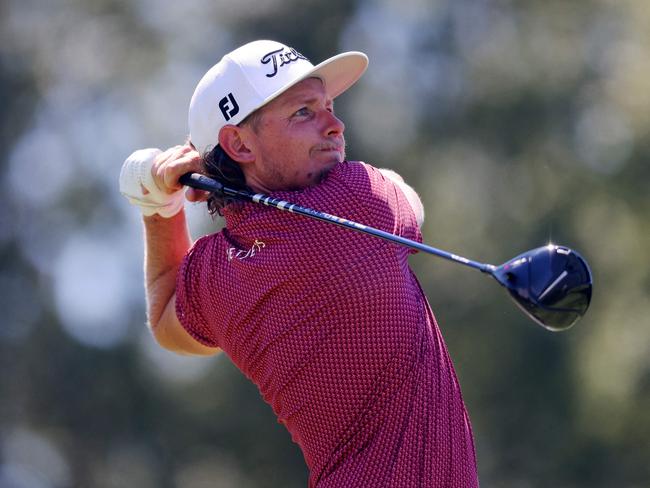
[[138, 186]]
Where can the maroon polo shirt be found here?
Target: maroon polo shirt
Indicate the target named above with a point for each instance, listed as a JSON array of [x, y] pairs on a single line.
[[334, 329]]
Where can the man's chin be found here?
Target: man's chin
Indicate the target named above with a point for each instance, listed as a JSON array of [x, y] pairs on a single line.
[[322, 174]]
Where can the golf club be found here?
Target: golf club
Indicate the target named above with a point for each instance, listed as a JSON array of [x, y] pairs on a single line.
[[551, 284]]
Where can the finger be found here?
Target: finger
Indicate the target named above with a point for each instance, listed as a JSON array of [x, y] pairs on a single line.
[[167, 155], [174, 153], [169, 164], [194, 195], [173, 170]]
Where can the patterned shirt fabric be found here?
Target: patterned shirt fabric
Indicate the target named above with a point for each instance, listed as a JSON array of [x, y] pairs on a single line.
[[334, 329]]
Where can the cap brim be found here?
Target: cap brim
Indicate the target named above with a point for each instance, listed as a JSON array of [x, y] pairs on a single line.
[[338, 73]]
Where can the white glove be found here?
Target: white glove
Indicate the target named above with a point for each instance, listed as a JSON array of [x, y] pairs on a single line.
[[136, 177]]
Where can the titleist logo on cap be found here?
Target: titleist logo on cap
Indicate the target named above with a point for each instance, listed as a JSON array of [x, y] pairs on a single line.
[[281, 56]]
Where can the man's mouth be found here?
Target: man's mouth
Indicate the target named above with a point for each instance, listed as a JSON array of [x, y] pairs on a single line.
[[329, 147]]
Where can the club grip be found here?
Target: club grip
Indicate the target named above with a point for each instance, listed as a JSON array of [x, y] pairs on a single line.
[[201, 182]]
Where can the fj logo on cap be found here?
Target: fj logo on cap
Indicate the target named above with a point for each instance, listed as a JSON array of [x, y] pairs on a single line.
[[229, 107], [282, 58]]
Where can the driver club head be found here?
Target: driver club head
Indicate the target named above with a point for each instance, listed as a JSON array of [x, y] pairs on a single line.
[[551, 284]]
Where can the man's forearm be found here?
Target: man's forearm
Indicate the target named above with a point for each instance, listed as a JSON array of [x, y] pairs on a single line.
[[167, 240]]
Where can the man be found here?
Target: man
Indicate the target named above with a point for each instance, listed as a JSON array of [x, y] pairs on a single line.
[[331, 325]]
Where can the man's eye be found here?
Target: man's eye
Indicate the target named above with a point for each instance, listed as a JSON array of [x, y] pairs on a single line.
[[302, 112]]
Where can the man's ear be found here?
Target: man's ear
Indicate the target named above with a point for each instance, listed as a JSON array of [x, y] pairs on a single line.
[[234, 141]]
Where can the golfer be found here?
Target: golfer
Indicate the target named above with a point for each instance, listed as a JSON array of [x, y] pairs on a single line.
[[331, 325]]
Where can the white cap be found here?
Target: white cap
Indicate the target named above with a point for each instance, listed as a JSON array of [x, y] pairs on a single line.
[[253, 75]]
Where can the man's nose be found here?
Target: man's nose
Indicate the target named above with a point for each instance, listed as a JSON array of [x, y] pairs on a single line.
[[332, 124]]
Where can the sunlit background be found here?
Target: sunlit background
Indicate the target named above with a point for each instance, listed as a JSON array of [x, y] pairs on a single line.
[[519, 123]]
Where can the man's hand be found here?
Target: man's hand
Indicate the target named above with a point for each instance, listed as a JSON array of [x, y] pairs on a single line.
[[170, 165], [149, 179]]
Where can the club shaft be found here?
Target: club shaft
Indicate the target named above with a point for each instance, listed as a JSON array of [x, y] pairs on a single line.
[[208, 184]]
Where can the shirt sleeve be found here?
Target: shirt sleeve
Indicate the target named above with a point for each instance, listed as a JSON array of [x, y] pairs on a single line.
[[195, 284]]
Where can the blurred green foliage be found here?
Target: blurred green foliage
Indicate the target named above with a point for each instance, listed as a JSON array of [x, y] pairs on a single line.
[[518, 123]]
